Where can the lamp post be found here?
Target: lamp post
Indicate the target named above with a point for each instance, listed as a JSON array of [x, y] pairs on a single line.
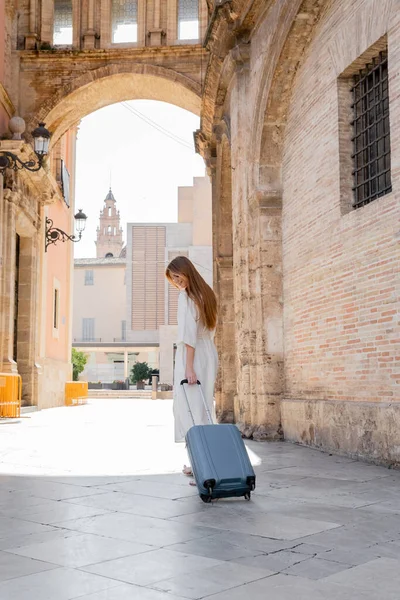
[[54, 234], [41, 140]]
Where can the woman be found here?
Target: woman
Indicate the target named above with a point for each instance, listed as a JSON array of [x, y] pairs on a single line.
[[196, 356]]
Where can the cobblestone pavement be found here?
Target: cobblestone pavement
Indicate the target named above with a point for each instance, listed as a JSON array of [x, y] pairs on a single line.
[[93, 506]]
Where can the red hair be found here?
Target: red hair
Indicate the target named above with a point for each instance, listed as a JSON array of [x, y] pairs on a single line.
[[197, 289]]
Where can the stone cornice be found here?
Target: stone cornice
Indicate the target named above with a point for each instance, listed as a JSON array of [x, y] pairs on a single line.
[[110, 54], [5, 101]]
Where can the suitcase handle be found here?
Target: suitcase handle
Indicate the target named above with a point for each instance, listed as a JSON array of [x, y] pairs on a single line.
[[202, 397]]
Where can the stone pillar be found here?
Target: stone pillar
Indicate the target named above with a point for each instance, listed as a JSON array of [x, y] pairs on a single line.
[[27, 316], [257, 258], [223, 278], [156, 32], [47, 20], [7, 300], [31, 37], [154, 387], [89, 37], [266, 306], [244, 401], [172, 22]]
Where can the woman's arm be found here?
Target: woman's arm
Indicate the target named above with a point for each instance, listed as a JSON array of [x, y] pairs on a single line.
[[190, 372]]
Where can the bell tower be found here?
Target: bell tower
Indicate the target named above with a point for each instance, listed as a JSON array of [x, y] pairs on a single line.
[[109, 234]]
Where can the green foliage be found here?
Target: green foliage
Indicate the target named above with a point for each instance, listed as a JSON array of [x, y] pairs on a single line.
[[140, 372], [79, 360]]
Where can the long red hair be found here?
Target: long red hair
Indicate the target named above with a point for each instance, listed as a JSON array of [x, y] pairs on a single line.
[[197, 289]]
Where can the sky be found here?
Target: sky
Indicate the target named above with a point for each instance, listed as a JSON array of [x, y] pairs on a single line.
[[145, 148]]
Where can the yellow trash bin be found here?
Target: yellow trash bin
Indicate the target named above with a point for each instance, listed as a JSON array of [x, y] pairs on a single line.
[[10, 395], [76, 392]]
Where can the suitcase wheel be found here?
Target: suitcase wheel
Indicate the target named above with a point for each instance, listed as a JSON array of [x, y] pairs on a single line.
[[205, 498], [247, 496]]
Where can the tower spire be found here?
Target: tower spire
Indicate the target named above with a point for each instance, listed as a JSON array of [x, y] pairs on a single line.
[[109, 233]]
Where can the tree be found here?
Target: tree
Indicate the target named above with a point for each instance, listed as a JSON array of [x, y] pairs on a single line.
[[140, 372], [79, 360]]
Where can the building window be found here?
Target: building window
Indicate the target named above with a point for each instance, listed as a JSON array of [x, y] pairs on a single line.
[[88, 330], [371, 132], [62, 33], [188, 19], [123, 331], [56, 308], [89, 278], [109, 255], [109, 229], [124, 21]]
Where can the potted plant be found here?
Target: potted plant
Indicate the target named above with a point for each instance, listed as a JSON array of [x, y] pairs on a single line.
[[139, 373]]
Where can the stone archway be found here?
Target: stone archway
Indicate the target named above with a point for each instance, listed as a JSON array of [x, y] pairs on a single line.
[[111, 84], [275, 90]]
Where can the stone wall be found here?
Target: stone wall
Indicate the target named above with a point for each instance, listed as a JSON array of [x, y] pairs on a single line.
[[315, 283]]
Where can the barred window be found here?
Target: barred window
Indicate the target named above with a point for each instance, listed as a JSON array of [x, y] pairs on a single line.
[[124, 21], [188, 19], [62, 33], [371, 132]]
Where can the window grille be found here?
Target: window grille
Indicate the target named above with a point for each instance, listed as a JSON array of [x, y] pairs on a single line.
[[62, 33], [89, 278], [371, 134], [124, 21], [188, 19]]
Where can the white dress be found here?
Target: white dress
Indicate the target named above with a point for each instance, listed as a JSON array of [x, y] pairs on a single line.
[[193, 333]]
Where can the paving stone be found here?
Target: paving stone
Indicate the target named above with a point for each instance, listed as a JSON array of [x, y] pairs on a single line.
[[316, 568], [124, 524]]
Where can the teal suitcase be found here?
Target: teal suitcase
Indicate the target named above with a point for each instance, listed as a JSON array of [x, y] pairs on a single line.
[[219, 459]]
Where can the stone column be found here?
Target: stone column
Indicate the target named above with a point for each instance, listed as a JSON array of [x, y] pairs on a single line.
[[244, 402], [223, 278], [172, 22], [27, 316], [77, 22], [7, 300], [31, 37], [266, 306], [89, 37], [258, 280], [156, 32], [47, 21], [105, 23]]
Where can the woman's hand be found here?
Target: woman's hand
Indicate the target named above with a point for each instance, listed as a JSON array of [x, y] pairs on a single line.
[[191, 375]]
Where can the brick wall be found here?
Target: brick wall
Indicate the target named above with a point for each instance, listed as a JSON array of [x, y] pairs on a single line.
[[341, 271]]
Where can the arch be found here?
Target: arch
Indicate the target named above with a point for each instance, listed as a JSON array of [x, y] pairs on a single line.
[[115, 83], [273, 98]]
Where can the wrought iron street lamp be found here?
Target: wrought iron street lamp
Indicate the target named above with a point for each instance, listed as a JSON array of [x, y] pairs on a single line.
[[41, 140], [54, 235]]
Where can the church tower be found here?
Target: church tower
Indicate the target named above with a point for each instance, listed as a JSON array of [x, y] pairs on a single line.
[[109, 234]]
